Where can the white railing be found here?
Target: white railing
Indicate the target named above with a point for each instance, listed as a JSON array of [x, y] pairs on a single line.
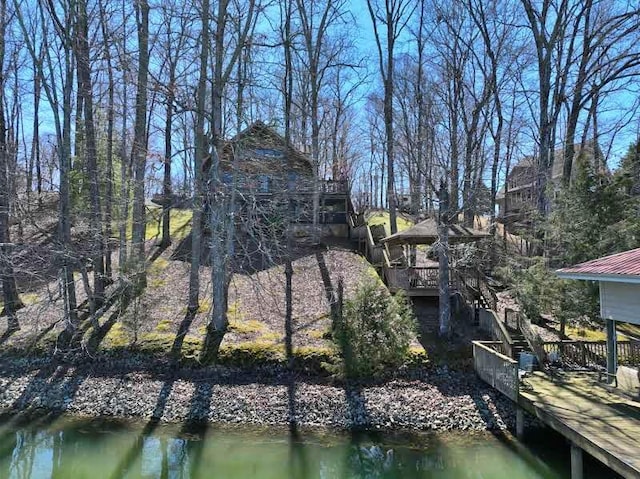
[[497, 370]]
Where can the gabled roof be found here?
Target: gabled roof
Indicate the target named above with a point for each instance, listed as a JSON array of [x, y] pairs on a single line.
[[259, 135], [557, 170], [621, 267], [426, 232], [526, 164]]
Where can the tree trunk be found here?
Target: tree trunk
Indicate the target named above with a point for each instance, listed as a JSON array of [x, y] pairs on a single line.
[[443, 262], [221, 219], [453, 138], [166, 183], [90, 152], [139, 154], [10, 292], [288, 268], [222, 227], [108, 217], [200, 155], [34, 159]]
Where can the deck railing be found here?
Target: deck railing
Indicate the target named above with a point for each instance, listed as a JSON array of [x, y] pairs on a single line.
[[267, 185], [496, 369], [487, 293], [415, 277], [422, 277], [629, 353], [518, 321], [373, 251], [468, 292], [334, 186], [490, 323], [591, 354]]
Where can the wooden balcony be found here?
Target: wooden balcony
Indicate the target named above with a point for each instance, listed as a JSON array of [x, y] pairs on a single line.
[[415, 281], [264, 185]]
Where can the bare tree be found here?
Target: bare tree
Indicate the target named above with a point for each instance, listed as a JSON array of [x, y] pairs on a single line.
[[201, 152], [173, 49], [221, 222], [139, 151], [9, 290], [320, 56], [388, 23], [55, 78], [607, 54], [90, 149], [109, 196], [550, 24]]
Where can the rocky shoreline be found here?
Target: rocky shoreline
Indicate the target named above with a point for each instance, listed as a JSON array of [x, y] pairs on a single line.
[[433, 400]]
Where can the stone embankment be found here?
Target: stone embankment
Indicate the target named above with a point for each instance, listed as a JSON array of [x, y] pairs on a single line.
[[437, 399]]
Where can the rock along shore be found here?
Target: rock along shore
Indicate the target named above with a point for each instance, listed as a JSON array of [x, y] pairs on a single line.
[[436, 400]]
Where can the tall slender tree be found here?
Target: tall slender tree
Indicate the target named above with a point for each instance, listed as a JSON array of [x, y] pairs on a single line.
[[85, 85], [9, 290], [139, 152], [388, 22]]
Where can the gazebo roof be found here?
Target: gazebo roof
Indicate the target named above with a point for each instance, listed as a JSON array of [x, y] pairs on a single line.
[[426, 232]]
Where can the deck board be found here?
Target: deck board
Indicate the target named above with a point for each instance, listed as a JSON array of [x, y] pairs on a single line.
[[604, 424]]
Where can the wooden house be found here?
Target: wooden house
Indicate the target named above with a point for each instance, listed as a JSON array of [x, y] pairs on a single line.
[[258, 164], [517, 200]]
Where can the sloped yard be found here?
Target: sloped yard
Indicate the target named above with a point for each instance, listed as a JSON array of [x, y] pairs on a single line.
[[256, 303]]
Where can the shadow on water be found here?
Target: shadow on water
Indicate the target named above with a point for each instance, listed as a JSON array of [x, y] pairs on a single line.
[[201, 453], [197, 426], [298, 458], [125, 465], [53, 380]]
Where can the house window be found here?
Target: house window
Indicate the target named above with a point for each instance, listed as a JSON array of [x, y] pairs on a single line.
[[292, 179], [268, 153], [263, 183]]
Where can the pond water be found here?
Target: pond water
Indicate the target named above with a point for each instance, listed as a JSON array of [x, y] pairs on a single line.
[[94, 449]]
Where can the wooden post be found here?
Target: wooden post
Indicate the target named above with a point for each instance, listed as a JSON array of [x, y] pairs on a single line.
[[612, 348], [576, 462], [519, 422]]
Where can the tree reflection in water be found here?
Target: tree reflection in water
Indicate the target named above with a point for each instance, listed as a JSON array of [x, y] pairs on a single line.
[[72, 449]]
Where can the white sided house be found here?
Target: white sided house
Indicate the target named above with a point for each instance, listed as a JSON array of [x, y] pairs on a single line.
[[619, 279]]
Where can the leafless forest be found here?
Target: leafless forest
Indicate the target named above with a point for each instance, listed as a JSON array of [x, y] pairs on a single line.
[[104, 104]]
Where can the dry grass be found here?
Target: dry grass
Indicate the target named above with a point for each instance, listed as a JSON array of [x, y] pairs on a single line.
[[382, 218], [256, 304]]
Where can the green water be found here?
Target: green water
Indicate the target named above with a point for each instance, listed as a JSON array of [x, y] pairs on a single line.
[[74, 449]]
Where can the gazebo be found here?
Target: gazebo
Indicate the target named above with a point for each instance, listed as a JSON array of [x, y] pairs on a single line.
[[426, 233], [619, 279], [416, 274]]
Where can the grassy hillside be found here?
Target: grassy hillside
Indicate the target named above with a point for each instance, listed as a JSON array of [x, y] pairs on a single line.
[[382, 218], [151, 321]]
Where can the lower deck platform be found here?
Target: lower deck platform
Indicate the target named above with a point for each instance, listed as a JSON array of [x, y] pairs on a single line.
[[595, 419]]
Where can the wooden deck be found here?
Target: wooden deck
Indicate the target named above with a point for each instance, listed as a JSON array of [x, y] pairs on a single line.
[[600, 422], [594, 417]]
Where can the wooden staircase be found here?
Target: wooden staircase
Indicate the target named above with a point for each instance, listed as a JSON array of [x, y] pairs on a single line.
[[519, 344], [513, 329]]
